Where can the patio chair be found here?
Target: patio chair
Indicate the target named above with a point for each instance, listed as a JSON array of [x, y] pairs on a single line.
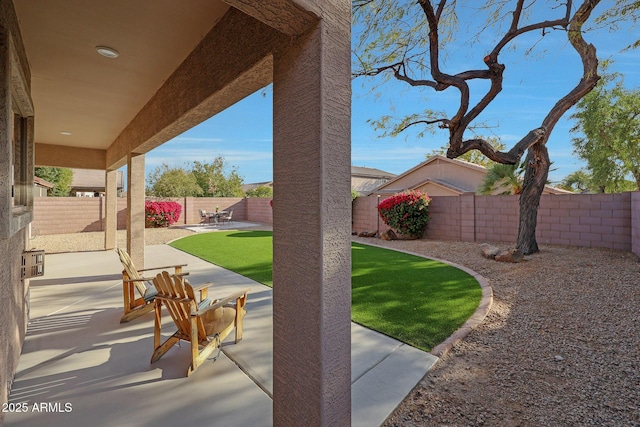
[[203, 216], [228, 218], [204, 323], [133, 281]]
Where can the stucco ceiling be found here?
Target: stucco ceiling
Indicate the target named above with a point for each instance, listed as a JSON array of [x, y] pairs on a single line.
[[76, 90]]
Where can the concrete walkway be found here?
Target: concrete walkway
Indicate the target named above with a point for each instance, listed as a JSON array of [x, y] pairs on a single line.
[[80, 366]]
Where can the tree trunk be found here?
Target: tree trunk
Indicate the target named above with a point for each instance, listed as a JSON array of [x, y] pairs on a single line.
[[535, 178]]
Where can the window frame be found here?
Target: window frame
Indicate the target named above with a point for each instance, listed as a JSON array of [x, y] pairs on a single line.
[[17, 107]]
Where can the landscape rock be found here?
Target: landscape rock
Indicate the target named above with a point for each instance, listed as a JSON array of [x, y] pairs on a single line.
[[389, 235], [489, 251], [510, 255], [368, 233]]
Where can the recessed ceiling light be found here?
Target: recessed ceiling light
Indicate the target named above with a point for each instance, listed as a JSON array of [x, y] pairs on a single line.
[[108, 52], [65, 133]]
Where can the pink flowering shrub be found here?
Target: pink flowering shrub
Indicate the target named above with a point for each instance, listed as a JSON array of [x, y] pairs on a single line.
[[406, 212], [161, 214]]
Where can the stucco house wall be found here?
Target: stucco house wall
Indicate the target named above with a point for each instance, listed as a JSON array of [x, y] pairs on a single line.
[[14, 221], [453, 176], [438, 189], [635, 223], [441, 176]]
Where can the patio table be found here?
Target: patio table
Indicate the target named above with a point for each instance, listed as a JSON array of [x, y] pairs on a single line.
[[216, 216]]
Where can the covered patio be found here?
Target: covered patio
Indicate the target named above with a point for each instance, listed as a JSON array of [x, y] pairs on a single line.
[[89, 369], [98, 85]]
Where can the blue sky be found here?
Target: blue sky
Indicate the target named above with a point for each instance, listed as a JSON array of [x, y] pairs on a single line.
[[242, 134]]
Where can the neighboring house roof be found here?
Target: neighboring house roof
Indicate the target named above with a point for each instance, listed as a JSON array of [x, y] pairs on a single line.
[[370, 172], [364, 180], [441, 176], [42, 182], [548, 189], [426, 185], [93, 180]]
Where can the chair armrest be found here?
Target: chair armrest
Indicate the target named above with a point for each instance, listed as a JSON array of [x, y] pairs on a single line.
[[203, 288], [139, 279], [224, 301], [163, 268], [148, 279]]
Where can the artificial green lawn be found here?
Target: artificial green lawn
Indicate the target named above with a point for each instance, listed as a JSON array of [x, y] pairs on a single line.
[[415, 300]]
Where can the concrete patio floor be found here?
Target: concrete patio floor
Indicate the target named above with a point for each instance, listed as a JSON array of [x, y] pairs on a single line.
[[80, 366]]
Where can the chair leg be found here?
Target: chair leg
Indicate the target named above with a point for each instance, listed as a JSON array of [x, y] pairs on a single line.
[[195, 362], [157, 324], [160, 349], [239, 318], [135, 313]]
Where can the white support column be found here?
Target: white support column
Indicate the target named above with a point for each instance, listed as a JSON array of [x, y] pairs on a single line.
[[111, 210], [135, 208], [312, 225]]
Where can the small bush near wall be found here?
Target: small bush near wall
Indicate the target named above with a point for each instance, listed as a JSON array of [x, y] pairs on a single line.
[[406, 212], [161, 214]]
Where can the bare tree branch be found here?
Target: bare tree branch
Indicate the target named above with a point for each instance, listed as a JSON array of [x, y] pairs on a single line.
[[403, 51], [443, 123], [589, 59]]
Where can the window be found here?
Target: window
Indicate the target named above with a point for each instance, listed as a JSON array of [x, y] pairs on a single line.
[[19, 184], [16, 143]]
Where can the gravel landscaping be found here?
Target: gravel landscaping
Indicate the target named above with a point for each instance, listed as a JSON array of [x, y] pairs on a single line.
[[559, 347], [94, 241]]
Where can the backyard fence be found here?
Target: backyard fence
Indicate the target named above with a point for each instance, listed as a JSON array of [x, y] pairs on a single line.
[[591, 220], [62, 215]]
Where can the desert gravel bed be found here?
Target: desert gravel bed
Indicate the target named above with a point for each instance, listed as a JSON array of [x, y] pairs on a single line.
[[94, 241], [559, 347]]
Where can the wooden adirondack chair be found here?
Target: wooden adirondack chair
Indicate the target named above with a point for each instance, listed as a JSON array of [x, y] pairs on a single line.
[[204, 323], [133, 281]]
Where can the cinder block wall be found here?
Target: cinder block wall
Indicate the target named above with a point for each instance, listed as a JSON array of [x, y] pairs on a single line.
[[445, 219], [635, 223], [496, 218], [365, 215], [590, 220], [62, 215], [259, 210], [209, 204]]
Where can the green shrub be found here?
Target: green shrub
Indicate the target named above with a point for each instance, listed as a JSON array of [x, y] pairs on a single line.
[[406, 212]]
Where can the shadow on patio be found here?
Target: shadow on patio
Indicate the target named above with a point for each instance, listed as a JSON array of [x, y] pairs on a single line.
[[80, 366]]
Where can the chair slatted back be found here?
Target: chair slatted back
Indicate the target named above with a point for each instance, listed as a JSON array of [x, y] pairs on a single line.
[[179, 298], [131, 271]]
